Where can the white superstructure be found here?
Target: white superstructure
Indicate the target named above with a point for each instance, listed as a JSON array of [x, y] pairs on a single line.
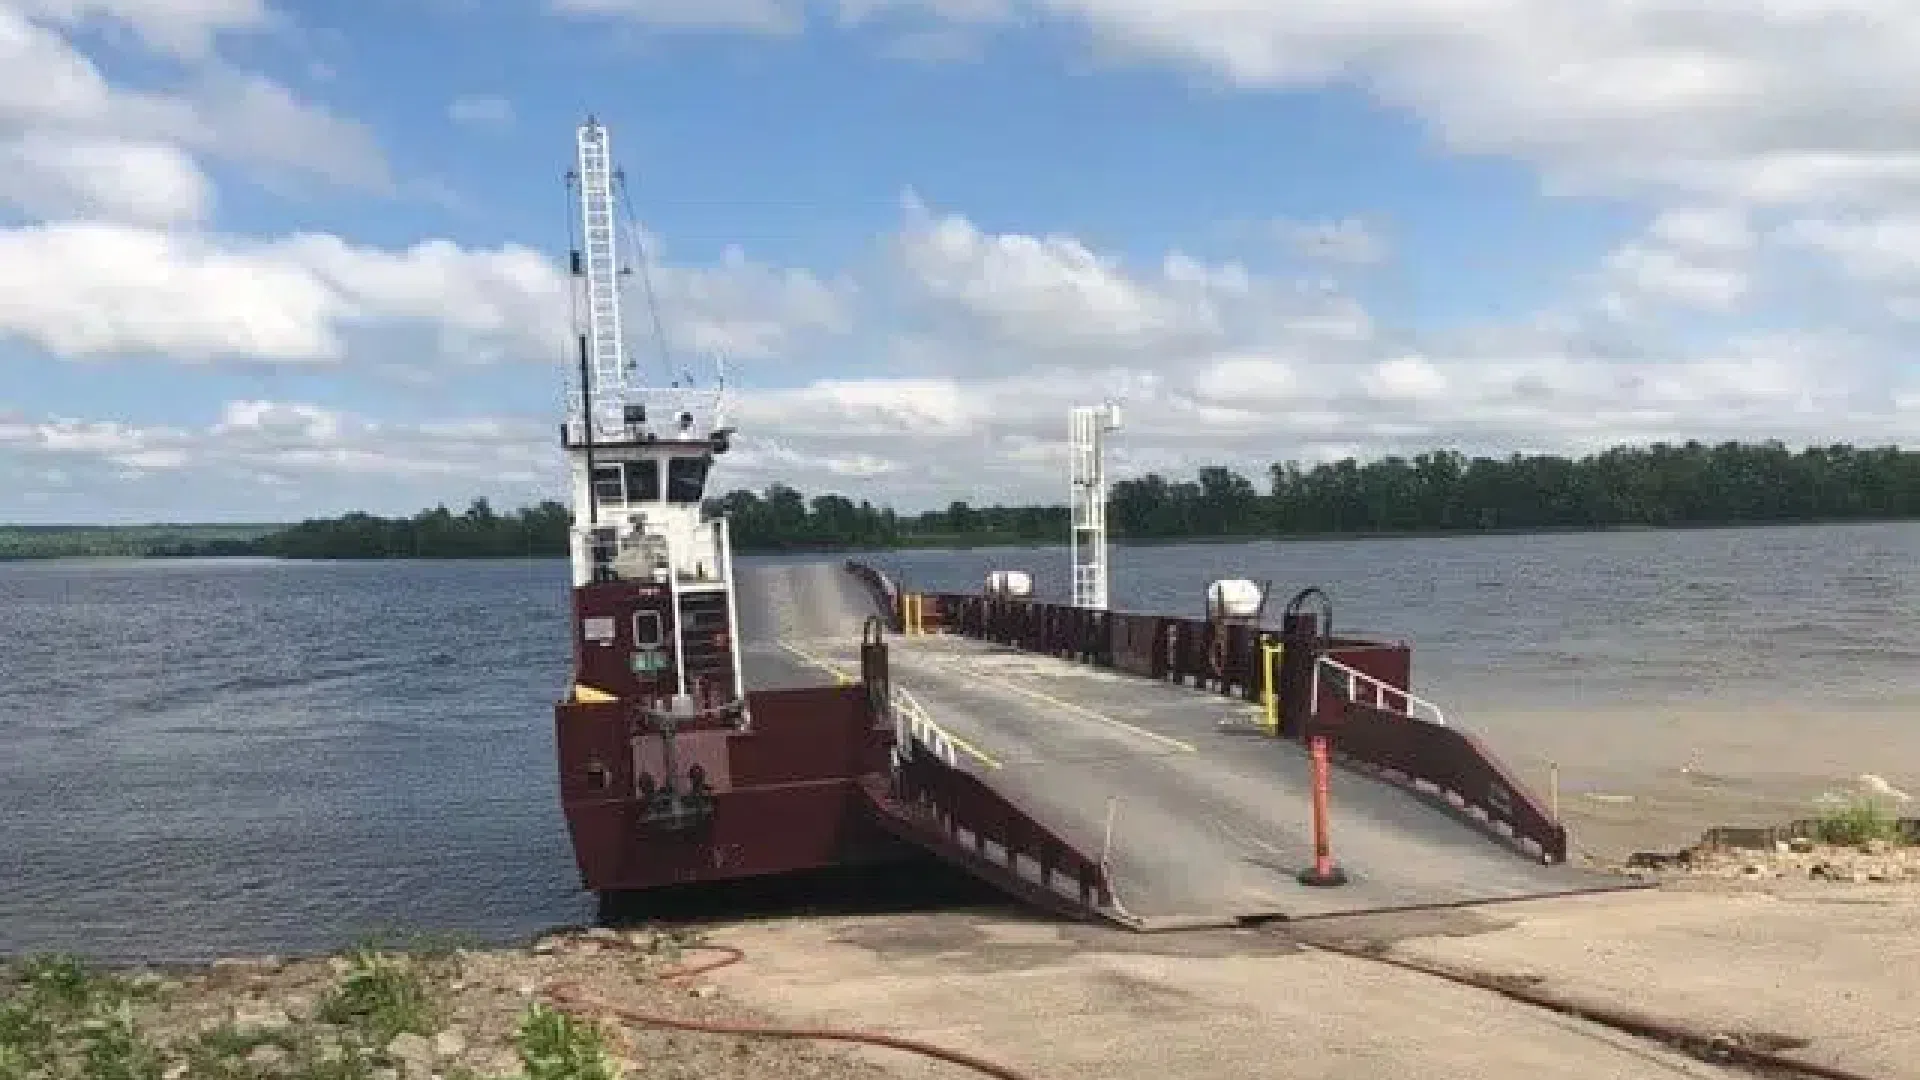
[[639, 448]]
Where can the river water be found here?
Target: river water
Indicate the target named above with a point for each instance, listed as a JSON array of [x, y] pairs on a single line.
[[207, 757]]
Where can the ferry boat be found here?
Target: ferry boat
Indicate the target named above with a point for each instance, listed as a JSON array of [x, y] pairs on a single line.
[[697, 742]]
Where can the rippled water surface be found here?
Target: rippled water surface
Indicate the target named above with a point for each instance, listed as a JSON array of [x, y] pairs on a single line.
[[216, 756]]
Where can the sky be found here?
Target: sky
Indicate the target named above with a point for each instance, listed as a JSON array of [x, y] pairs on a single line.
[[262, 260]]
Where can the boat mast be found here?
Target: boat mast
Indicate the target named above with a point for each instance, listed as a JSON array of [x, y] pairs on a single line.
[[598, 266]]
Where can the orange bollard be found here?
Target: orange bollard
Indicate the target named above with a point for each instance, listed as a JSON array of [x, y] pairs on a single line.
[[1324, 871]]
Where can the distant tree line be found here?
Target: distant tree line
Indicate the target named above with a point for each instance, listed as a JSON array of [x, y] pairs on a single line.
[[1440, 492], [479, 532], [783, 519], [1443, 492], [128, 541]]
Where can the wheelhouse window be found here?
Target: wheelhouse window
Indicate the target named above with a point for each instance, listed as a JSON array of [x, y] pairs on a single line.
[[687, 479], [643, 481], [606, 484], [646, 628]]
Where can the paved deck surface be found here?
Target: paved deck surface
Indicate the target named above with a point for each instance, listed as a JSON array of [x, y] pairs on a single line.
[[1204, 821], [784, 603]]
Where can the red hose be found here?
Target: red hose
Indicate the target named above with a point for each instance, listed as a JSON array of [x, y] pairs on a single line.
[[570, 994], [730, 955]]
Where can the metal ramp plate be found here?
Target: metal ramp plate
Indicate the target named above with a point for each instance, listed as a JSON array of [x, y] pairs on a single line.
[[1201, 819]]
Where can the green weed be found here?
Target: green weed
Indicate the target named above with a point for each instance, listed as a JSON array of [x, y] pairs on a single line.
[[60, 1020], [555, 1046], [382, 995], [1857, 824]]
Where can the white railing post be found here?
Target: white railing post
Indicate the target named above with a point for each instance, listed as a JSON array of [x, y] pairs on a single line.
[[724, 532], [679, 616], [1381, 692]]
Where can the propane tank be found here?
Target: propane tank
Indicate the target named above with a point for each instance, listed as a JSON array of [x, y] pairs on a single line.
[[1010, 584], [1234, 599]]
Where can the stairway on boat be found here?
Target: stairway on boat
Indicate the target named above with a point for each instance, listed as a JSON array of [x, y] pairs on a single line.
[[706, 654]]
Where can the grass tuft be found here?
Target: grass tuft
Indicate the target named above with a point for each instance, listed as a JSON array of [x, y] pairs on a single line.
[[61, 1020], [555, 1046], [1857, 824], [382, 995]]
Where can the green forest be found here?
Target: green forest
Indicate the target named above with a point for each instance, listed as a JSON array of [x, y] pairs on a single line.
[[128, 541], [1658, 486]]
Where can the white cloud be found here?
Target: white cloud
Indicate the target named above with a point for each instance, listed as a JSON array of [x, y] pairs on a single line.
[[481, 110], [91, 176], [1696, 258], [741, 308], [102, 290], [758, 16], [1883, 249], [1349, 241], [59, 113], [98, 289], [1807, 102], [1055, 294], [1704, 229], [1412, 380], [268, 460], [1248, 380], [181, 27]]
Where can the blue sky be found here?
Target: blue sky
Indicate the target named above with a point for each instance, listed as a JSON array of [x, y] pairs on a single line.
[[262, 259]]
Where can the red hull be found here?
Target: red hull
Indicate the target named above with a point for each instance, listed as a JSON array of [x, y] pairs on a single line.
[[786, 795]]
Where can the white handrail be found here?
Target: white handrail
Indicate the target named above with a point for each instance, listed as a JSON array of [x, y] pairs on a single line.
[[1357, 678], [912, 724], [725, 536], [679, 616]]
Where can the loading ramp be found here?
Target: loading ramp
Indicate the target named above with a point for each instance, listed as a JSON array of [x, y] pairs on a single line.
[[1176, 802]]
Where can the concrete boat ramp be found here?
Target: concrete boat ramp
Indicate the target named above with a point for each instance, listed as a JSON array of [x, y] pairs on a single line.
[[1198, 816]]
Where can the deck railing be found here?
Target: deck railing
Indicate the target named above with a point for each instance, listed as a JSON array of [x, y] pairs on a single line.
[[1385, 695]]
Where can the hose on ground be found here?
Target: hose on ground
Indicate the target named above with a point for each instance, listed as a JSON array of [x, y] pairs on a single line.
[[572, 996], [1715, 1048]]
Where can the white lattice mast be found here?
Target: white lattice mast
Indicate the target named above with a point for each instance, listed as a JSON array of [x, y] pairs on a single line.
[[607, 364], [1086, 464]]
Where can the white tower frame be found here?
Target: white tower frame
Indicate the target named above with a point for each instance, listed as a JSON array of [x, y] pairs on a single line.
[[606, 350], [1087, 481]]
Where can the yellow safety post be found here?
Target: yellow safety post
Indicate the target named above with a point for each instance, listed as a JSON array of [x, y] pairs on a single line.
[[1269, 690], [912, 605]]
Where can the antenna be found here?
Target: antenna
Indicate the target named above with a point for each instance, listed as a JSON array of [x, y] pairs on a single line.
[[1087, 481]]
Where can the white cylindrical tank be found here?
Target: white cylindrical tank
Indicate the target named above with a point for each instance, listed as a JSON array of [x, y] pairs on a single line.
[[1233, 598], [1011, 583]]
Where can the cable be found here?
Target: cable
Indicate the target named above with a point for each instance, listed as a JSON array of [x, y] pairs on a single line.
[[645, 260], [570, 994]]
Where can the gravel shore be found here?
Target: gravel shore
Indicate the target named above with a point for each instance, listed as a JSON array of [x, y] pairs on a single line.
[[424, 1014]]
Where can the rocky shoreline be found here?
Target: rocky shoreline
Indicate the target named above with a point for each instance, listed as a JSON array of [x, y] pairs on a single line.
[[1857, 846], [374, 1014]]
